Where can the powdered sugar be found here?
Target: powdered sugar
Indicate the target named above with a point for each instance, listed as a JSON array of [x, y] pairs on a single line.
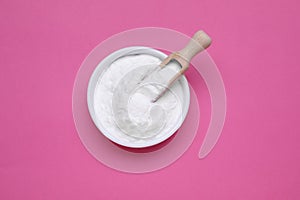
[[123, 105]]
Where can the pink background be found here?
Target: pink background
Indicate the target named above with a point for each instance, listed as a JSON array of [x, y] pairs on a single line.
[[256, 46]]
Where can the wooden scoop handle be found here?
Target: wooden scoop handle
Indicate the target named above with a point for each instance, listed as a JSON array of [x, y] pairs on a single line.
[[198, 43]]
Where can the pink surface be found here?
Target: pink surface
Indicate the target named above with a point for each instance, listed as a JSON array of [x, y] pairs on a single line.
[[42, 44]]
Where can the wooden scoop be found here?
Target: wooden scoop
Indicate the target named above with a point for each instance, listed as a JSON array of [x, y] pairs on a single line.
[[198, 43]]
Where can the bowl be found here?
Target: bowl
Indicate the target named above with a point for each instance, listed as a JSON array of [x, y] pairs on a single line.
[[125, 140]]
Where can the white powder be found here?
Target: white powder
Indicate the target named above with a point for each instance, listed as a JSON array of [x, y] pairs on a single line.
[[123, 104]]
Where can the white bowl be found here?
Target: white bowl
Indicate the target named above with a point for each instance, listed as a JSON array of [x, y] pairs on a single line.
[[92, 86]]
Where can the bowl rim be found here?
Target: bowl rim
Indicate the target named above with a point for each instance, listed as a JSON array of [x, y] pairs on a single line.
[[98, 71]]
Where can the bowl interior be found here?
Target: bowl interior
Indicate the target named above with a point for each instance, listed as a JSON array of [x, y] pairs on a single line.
[[102, 66]]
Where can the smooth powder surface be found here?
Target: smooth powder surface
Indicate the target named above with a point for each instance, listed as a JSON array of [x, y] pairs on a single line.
[[123, 103]]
